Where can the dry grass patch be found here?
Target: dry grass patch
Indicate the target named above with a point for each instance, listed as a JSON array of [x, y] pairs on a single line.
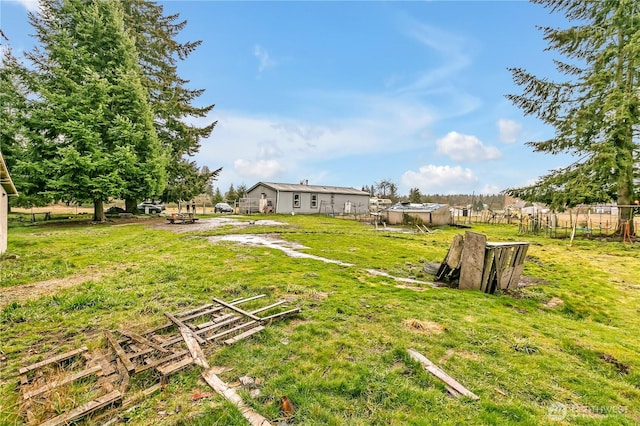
[[423, 326], [554, 302]]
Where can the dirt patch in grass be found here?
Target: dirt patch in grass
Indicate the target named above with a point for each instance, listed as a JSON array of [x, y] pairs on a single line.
[[24, 292], [620, 366]]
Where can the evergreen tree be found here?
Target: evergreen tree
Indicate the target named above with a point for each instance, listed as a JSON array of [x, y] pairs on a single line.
[[217, 197], [159, 53], [393, 192], [595, 112], [208, 187], [13, 106], [231, 196], [241, 191], [91, 125], [415, 196]]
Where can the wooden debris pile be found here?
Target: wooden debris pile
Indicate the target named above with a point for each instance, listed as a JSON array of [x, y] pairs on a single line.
[[474, 263], [89, 381]]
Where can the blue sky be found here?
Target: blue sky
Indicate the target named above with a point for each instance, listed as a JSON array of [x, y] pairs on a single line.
[[351, 93]]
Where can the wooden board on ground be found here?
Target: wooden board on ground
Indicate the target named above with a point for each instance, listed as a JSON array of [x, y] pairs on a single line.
[[84, 410], [54, 359], [194, 348], [230, 395], [452, 385]]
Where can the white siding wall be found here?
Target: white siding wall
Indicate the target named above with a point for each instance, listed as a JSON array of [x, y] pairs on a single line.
[[325, 203]]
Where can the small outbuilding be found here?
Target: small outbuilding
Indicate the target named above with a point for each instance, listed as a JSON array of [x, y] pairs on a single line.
[[7, 189], [302, 198], [428, 213]]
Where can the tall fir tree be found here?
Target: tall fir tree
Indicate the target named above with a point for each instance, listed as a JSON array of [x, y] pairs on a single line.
[[217, 197], [155, 35], [231, 195], [595, 112], [415, 196], [91, 127], [13, 105]]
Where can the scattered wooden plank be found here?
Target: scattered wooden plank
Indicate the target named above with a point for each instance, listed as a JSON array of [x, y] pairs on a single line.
[[119, 351], [107, 368], [154, 364], [215, 321], [452, 385], [181, 324], [230, 395], [85, 409], [169, 369], [142, 340], [282, 314], [57, 358], [266, 308], [194, 348], [195, 310], [232, 330], [243, 335], [60, 382], [472, 263], [238, 310], [141, 395], [231, 320], [124, 375]]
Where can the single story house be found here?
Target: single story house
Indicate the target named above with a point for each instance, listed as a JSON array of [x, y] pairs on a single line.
[[429, 213], [302, 198], [7, 189]]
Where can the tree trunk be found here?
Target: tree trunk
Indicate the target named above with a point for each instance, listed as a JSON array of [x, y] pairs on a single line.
[[625, 159], [98, 211], [131, 205]]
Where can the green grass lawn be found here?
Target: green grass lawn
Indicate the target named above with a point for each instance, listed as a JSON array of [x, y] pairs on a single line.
[[343, 360]]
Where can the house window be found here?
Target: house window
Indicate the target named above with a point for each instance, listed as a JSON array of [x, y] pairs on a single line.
[[314, 201], [296, 201]]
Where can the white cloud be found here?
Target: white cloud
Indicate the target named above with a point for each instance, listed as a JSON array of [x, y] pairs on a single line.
[[30, 5], [509, 130], [491, 188], [261, 169], [264, 60], [431, 179], [461, 147]]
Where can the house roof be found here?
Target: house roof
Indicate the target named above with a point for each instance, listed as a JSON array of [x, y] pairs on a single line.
[[427, 207], [5, 179], [293, 187]]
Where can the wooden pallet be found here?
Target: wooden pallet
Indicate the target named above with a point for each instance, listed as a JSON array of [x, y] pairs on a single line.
[[167, 349]]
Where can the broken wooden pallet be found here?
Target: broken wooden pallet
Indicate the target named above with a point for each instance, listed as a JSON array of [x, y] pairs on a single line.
[[168, 348]]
